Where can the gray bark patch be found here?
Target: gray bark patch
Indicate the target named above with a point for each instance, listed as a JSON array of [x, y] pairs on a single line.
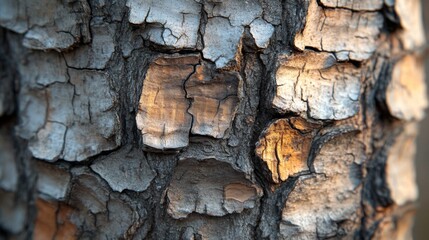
[[132, 170]]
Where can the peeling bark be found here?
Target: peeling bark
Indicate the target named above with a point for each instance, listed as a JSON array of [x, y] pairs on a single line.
[[53, 221], [301, 76], [285, 146], [193, 98], [350, 35], [135, 174], [167, 25], [204, 119], [163, 118], [47, 24], [406, 92], [197, 187], [335, 185]]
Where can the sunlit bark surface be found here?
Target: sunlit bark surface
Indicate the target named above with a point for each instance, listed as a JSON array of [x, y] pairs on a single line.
[[204, 119]]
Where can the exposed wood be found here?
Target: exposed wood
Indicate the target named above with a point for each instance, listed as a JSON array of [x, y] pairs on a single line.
[[163, 116], [214, 99], [53, 221], [284, 148], [397, 226], [182, 95]]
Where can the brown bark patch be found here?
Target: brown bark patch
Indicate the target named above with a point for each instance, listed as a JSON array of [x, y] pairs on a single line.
[[406, 92], [284, 148], [183, 94], [214, 99], [239, 192], [53, 221], [163, 117]]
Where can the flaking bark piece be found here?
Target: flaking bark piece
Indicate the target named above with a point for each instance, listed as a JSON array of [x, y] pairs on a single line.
[[412, 34], [360, 5], [327, 203], [53, 221], [72, 120], [222, 42], [209, 187], [183, 94], [98, 53], [300, 76], [88, 193], [163, 117], [133, 171], [261, 32], [249, 10], [224, 29], [52, 181], [47, 24], [214, 100], [284, 146], [406, 93], [400, 170], [170, 23], [349, 34]]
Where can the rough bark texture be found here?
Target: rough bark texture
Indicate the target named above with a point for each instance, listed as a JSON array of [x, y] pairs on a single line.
[[204, 119]]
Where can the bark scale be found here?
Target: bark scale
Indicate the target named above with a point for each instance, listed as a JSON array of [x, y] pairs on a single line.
[[200, 119]]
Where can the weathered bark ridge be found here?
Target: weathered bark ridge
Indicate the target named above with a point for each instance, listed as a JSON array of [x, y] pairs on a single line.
[[203, 119]]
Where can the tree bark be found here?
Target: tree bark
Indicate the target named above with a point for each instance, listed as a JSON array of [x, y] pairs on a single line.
[[203, 119]]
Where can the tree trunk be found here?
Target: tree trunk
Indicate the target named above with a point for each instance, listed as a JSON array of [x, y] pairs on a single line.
[[203, 119]]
